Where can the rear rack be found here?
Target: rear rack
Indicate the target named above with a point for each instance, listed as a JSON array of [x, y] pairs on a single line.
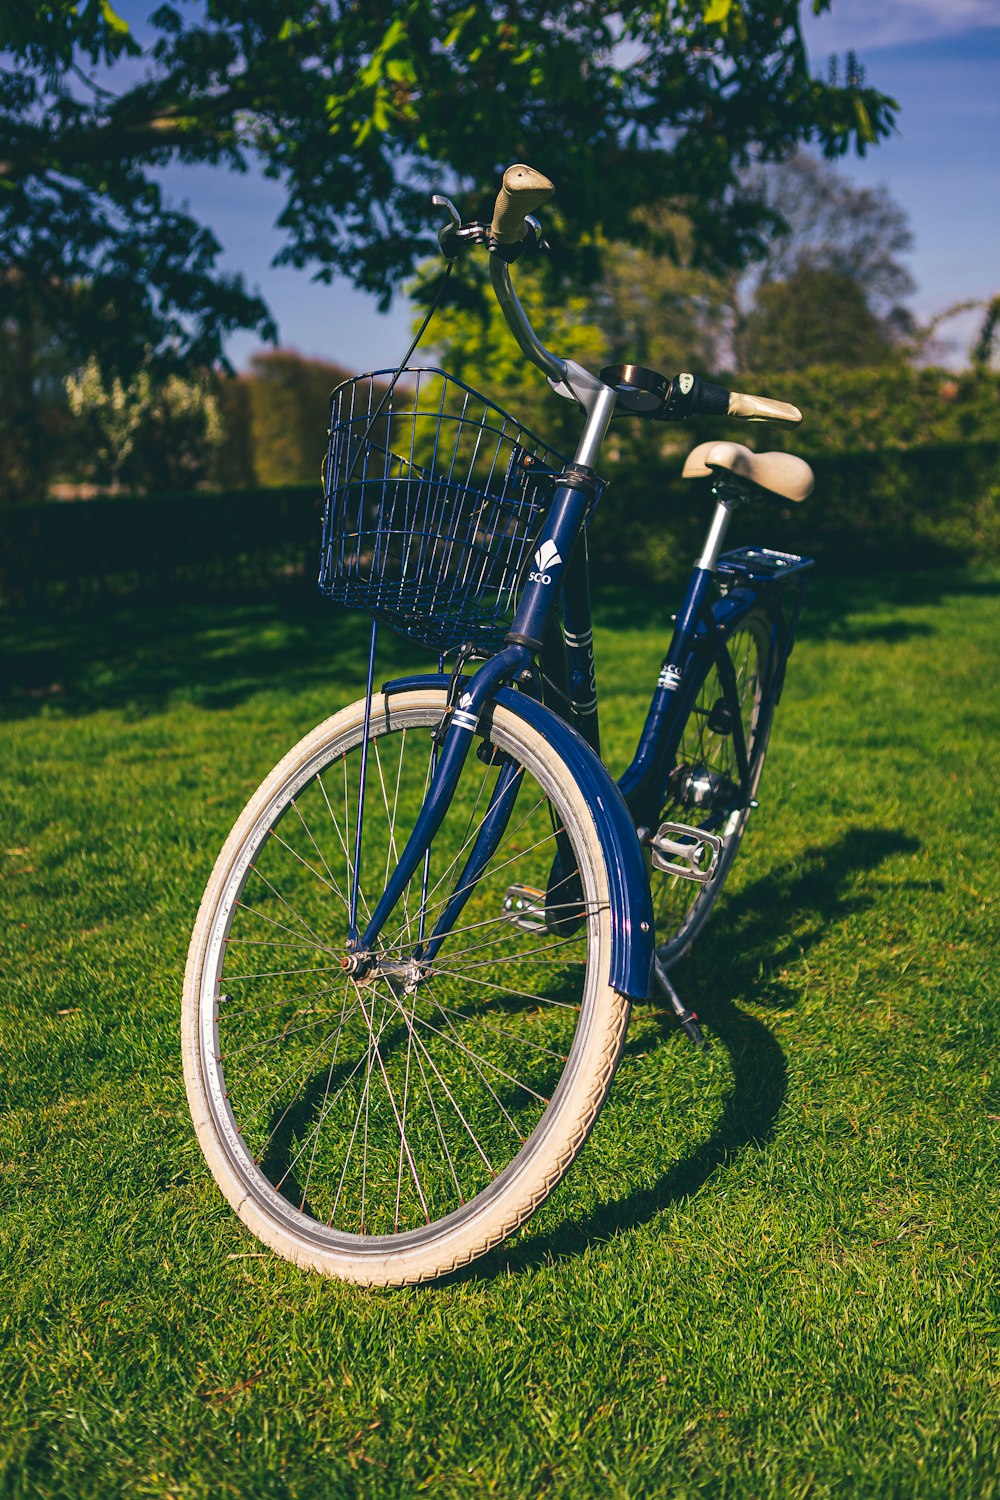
[[760, 565]]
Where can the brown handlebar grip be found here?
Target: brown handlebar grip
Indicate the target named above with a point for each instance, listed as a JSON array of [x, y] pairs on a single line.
[[761, 409], [522, 192]]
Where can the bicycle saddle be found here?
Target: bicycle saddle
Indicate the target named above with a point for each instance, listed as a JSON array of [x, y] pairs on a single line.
[[779, 473]]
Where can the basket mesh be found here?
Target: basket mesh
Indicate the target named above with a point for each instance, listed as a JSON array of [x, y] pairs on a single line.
[[432, 509]]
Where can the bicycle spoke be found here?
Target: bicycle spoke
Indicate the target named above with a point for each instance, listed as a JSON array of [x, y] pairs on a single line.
[[469, 1053], [402, 1131], [250, 1010], [322, 1114], [493, 870], [341, 837], [510, 958], [506, 933], [489, 1087], [392, 853], [522, 1041], [278, 896], [271, 1041], [330, 884], [323, 948], [283, 973], [523, 994], [468, 838], [468, 844], [283, 1084], [437, 1119], [451, 1099], [406, 1098], [380, 1102]]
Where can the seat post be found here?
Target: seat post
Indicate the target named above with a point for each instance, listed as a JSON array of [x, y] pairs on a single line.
[[727, 498]]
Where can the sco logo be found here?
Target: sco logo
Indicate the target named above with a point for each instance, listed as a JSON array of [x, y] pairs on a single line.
[[546, 557]]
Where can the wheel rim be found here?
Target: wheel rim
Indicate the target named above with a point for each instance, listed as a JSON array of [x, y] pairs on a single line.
[[705, 767], [372, 1112]]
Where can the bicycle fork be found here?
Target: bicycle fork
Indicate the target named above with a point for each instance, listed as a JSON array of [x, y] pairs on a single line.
[[454, 752]]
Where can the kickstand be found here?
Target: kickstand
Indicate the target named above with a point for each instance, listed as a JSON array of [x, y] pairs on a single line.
[[687, 1018]]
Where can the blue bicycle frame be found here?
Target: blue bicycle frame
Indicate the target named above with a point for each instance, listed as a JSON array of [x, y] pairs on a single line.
[[547, 675]]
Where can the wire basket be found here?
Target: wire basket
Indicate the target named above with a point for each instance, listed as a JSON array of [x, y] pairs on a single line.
[[433, 507]]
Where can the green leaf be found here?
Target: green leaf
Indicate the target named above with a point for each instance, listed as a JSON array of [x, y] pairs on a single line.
[[461, 21], [863, 118], [113, 20], [395, 35], [376, 67], [401, 70], [486, 78]]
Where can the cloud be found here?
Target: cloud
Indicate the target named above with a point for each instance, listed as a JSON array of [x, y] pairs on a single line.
[[864, 26]]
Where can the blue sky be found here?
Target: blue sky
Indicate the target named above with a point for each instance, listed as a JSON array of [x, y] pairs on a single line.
[[939, 58]]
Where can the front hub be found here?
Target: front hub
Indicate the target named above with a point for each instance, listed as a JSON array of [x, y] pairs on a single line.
[[404, 975]]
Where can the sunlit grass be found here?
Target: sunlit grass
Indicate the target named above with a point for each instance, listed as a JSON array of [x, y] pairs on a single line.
[[773, 1271]]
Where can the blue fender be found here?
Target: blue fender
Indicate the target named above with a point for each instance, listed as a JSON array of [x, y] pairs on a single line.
[[632, 935]]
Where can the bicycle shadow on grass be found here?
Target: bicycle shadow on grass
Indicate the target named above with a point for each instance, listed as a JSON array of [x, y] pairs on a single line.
[[828, 884]]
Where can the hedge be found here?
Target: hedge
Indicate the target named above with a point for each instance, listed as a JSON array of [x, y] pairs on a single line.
[[230, 535], [915, 507], [894, 508]]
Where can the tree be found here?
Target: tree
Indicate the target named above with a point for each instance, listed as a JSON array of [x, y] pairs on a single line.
[[289, 412], [986, 340], [644, 307], [818, 316], [830, 288], [33, 417], [148, 433], [357, 107], [828, 292], [661, 309]]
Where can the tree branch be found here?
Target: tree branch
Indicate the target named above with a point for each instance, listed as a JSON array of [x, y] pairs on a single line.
[[168, 126]]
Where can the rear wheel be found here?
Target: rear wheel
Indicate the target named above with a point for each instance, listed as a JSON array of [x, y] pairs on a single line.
[[389, 1128], [704, 791]]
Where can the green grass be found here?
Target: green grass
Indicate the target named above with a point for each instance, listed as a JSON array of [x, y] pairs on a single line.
[[773, 1272]]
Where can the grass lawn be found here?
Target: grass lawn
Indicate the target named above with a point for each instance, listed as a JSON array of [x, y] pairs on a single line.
[[773, 1272]]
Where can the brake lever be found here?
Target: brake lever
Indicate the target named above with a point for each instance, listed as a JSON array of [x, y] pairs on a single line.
[[440, 201], [447, 231], [535, 226], [454, 236]]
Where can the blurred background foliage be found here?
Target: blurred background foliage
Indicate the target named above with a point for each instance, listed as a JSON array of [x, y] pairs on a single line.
[[822, 319], [778, 276], [356, 111]]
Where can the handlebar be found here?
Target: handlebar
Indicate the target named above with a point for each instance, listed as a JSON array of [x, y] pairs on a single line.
[[641, 392], [645, 393], [522, 191]]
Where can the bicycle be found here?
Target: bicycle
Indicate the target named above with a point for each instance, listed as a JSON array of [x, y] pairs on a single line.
[[459, 904]]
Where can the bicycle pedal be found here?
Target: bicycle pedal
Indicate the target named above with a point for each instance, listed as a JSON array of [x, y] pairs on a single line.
[[692, 853], [524, 905]]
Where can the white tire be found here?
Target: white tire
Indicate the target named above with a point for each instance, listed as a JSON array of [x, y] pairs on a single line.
[[500, 1040]]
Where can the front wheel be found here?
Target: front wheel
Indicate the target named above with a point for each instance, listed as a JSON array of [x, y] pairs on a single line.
[[705, 791], [389, 1128]]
